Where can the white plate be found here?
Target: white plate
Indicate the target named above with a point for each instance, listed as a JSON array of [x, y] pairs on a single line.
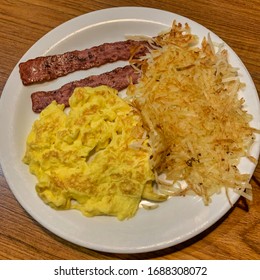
[[174, 221]]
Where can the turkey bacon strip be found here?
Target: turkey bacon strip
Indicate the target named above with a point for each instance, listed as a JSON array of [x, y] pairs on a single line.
[[46, 68], [118, 78]]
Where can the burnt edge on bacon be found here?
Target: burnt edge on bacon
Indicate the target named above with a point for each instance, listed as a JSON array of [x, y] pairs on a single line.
[[46, 68], [118, 79]]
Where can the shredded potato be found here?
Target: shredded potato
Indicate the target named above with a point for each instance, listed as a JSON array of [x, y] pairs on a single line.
[[188, 98]]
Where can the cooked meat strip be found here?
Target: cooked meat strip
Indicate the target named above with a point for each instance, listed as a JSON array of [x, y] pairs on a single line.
[[118, 78], [46, 68]]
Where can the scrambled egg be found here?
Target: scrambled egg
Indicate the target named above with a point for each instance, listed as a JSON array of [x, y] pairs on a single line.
[[95, 158]]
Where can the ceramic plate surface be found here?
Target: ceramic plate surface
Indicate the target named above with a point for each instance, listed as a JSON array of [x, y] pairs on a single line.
[[176, 220]]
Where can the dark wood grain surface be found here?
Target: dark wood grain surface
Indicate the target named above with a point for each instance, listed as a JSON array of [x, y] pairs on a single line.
[[22, 23]]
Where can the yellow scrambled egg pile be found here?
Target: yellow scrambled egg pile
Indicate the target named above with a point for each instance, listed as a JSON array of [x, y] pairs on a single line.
[[95, 158]]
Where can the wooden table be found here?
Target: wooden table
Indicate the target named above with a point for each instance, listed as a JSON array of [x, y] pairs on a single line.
[[22, 23]]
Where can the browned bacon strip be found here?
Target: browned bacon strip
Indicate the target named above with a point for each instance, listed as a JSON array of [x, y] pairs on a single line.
[[47, 68], [118, 79]]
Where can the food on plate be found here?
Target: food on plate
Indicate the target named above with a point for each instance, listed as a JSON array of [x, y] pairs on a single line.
[[46, 68], [94, 158], [118, 79], [197, 125], [181, 125]]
